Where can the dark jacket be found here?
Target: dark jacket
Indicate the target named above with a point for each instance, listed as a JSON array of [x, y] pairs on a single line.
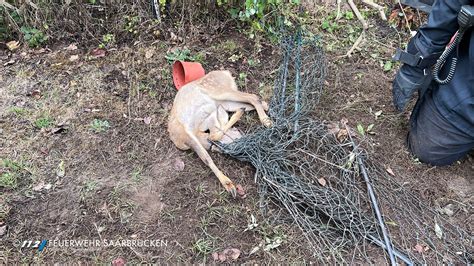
[[455, 100]]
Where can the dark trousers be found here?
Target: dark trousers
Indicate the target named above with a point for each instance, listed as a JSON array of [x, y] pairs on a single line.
[[433, 139]]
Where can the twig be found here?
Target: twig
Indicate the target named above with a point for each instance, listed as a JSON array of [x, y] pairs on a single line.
[[7, 5], [405, 16], [380, 8], [358, 14], [338, 14], [356, 44], [365, 26]]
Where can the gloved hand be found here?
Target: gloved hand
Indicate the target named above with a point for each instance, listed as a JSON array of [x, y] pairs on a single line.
[[415, 74], [408, 80]]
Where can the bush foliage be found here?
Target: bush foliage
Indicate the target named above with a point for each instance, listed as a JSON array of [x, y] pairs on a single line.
[[37, 21]]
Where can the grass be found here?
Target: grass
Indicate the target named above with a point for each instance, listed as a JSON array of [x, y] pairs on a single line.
[[43, 122], [228, 46], [203, 247], [12, 171], [88, 188], [18, 111], [137, 175], [184, 55], [4, 211], [99, 126], [9, 180]]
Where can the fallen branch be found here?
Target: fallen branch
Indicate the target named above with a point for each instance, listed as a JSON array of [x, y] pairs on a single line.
[[365, 26], [380, 8], [338, 14]]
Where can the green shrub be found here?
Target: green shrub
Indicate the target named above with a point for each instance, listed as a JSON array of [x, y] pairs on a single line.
[[33, 36]]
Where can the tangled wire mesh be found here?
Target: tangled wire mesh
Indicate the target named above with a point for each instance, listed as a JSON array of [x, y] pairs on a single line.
[[317, 179]]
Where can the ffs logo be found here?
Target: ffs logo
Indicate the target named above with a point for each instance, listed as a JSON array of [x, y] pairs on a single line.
[[40, 245]]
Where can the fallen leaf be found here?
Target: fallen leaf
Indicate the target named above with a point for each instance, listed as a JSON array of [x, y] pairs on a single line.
[[377, 114], [390, 171], [178, 164], [3, 229], [61, 171], [333, 128], [387, 66], [344, 121], [254, 250], [118, 262], [98, 52], [35, 94], [73, 58], [71, 47], [13, 45], [44, 151], [419, 248], [360, 129], [147, 120], [11, 62], [241, 191], [38, 187], [149, 54], [322, 181], [370, 127], [448, 210], [232, 253], [173, 36], [438, 231], [392, 223], [342, 135], [39, 51]]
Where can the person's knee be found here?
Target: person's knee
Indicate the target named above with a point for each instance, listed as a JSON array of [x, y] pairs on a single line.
[[424, 153], [432, 150]]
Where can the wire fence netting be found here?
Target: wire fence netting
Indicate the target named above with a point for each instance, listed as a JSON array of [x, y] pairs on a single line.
[[316, 178]]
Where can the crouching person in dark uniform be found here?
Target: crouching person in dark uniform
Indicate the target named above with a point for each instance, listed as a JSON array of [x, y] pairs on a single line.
[[442, 122]]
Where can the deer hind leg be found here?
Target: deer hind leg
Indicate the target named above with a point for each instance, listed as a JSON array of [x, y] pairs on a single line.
[[225, 122], [252, 99], [206, 158]]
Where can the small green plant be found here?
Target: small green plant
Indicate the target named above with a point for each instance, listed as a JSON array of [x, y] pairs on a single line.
[[12, 172], [229, 46], [107, 40], [43, 122], [349, 15], [8, 180], [33, 36], [18, 111], [98, 125], [131, 24], [12, 165], [90, 186], [203, 247], [4, 211], [183, 55], [137, 175]]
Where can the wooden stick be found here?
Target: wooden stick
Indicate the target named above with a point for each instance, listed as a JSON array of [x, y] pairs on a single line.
[[356, 44], [338, 14], [358, 14], [365, 26], [381, 9]]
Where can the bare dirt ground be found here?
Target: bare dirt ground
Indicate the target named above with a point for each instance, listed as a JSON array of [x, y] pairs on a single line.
[[86, 153]]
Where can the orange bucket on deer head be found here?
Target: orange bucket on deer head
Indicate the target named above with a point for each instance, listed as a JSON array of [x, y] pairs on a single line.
[[185, 72]]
